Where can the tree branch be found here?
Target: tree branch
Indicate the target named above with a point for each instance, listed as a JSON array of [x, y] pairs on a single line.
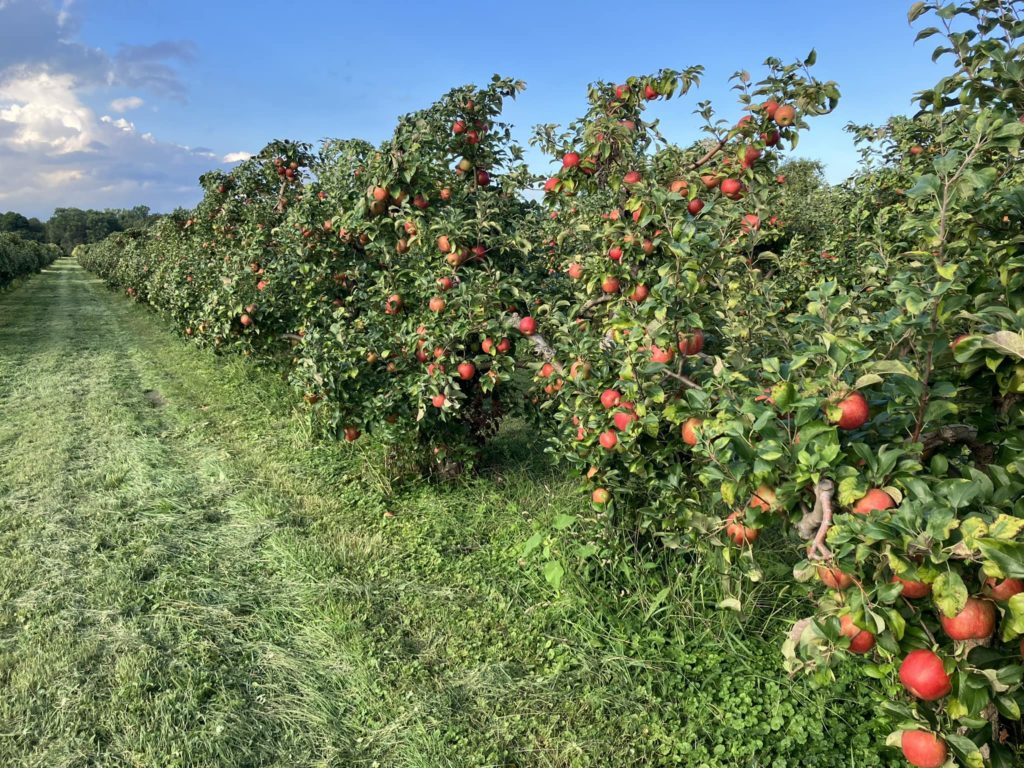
[[685, 380], [594, 303], [820, 517], [539, 342], [957, 434]]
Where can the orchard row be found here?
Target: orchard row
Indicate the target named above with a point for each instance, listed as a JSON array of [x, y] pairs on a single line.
[[717, 345], [20, 257]]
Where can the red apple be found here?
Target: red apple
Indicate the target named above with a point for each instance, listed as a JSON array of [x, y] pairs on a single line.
[[784, 116], [1003, 590], [623, 419], [575, 270], [834, 578], [924, 676], [663, 356], [608, 439], [732, 188], [923, 749], [874, 499], [570, 160], [610, 284], [640, 293], [738, 532], [438, 401], [351, 434], [615, 253], [861, 641], [855, 411], [764, 498], [689, 431], [693, 342], [632, 177], [437, 304], [610, 398], [913, 590], [977, 621], [695, 206], [527, 326], [600, 496], [466, 370]]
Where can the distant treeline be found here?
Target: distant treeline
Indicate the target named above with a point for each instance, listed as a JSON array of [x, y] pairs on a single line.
[[69, 227]]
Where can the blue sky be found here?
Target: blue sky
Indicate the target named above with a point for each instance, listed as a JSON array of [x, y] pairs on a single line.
[[119, 102]]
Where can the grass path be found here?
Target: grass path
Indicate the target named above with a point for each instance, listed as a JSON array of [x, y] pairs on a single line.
[[186, 580]]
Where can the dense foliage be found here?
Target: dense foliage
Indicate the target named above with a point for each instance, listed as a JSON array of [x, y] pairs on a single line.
[[721, 343], [20, 257]]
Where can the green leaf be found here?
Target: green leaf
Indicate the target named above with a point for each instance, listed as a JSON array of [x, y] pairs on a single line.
[[553, 572], [915, 12], [1006, 342], [1007, 555], [927, 186], [950, 593], [1005, 527], [656, 602], [1013, 623], [532, 543], [966, 749], [867, 380], [562, 522]]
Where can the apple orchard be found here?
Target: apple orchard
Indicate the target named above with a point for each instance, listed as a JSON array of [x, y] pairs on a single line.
[[722, 351]]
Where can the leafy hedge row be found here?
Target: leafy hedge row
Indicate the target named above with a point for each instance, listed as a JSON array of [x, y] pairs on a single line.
[[23, 257]]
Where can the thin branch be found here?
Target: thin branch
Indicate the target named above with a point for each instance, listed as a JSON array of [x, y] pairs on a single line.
[[685, 380], [713, 151], [585, 309]]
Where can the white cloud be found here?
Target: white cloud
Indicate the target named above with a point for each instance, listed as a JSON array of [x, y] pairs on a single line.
[[56, 151], [126, 104], [121, 123], [236, 157]]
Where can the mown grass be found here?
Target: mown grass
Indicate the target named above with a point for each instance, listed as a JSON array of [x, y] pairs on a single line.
[[187, 580]]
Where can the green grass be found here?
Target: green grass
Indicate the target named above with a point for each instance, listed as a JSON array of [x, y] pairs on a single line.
[[186, 579]]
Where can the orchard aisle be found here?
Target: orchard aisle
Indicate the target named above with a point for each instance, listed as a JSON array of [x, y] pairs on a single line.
[[184, 581]]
